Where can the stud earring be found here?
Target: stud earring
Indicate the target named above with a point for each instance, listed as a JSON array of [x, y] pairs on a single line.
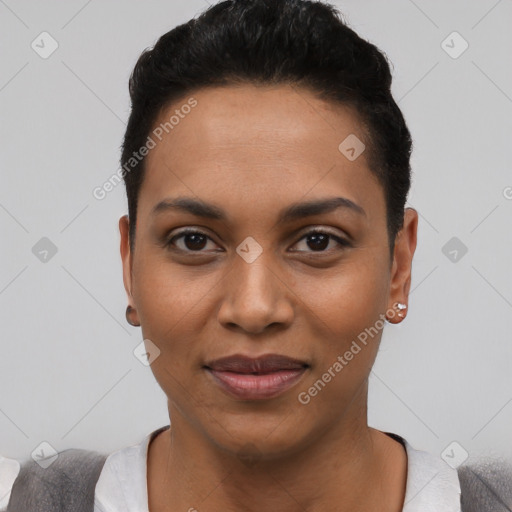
[[401, 311], [401, 308], [129, 316]]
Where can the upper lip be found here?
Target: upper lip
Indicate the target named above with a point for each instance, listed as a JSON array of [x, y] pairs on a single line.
[[244, 364]]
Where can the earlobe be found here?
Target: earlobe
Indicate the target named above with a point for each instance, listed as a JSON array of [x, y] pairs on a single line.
[[398, 310], [131, 316]]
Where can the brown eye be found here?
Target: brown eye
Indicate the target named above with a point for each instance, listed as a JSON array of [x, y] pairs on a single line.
[[318, 241], [190, 240]]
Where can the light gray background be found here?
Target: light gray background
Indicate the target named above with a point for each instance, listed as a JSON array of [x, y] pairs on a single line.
[[68, 375]]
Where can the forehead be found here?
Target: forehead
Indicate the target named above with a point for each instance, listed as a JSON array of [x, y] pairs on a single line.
[[257, 142], [248, 117]]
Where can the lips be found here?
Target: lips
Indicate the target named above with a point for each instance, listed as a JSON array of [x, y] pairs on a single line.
[[263, 364], [256, 378]]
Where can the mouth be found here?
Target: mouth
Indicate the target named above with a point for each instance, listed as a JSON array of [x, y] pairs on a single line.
[[259, 378]]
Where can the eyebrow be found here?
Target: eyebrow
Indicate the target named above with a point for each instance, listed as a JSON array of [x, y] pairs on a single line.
[[292, 212]]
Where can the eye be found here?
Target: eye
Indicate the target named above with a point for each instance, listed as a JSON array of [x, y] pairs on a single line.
[[191, 240], [319, 240]]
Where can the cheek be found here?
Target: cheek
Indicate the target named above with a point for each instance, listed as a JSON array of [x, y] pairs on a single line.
[[350, 297], [171, 299], [347, 318], [348, 328], [171, 310]]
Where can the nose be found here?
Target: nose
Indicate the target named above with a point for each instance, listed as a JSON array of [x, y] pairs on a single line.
[[256, 297]]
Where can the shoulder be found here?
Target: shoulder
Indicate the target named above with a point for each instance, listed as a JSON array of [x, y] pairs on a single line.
[[486, 485], [479, 485], [431, 482], [9, 471], [124, 476], [52, 481], [58, 480]]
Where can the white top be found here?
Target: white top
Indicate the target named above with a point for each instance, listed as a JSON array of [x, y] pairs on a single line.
[[432, 485], [9, 469]]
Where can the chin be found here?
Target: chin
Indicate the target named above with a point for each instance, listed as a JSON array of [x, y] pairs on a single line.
[[259, 438]]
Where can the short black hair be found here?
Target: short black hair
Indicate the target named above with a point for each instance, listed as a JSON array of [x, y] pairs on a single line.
[[270, 42]]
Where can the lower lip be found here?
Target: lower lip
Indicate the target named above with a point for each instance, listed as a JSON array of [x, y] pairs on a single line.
[[248, 386]]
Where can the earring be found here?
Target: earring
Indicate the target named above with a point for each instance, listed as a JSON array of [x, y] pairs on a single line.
[[129, 316], [401, 307], [401, 313]]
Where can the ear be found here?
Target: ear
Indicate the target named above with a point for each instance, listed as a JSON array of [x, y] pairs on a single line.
[[405, 245], [126, 257]]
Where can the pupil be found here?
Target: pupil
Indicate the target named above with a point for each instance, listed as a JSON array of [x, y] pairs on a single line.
[[320, 241], [197, 241]]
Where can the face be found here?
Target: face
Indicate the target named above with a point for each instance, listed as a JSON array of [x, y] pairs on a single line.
[[258, 273]]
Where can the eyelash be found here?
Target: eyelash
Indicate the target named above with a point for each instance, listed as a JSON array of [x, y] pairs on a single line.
[[341, 241]]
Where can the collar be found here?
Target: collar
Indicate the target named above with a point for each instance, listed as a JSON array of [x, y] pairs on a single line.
[[432, 485]]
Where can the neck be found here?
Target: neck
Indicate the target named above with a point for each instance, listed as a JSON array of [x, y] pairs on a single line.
[[348, 468]]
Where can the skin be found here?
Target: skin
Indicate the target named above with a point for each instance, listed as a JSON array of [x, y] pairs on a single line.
[[253, 151]]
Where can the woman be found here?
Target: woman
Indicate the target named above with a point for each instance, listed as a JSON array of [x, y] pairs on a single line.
[[267, 245]]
